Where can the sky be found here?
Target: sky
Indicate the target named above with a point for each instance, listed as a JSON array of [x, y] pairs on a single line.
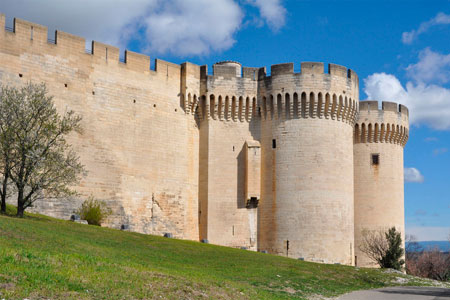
[[399, 49]]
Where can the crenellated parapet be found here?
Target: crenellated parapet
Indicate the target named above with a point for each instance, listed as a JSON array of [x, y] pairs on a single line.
[[311, 93], [26, 36], [229, 94], [236, 93], [190, 86], [390, 124]]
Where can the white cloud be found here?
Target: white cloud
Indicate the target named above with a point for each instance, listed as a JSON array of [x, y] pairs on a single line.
[[192, 27], [413, 175], [432, 66], [428, 233], [180, 27], [98, 20], [271, 11], [428, 104], [440, 19]]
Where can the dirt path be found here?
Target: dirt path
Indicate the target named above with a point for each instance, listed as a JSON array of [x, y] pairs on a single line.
[[400, 293]]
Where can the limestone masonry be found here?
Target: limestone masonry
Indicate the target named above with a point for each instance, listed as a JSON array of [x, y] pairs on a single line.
[[284, 162]]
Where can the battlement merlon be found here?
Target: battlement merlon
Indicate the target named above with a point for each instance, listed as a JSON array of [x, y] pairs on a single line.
[[229, 79], [390, 123], [313, 68], [311, 76], [190, 85], [232, 69], [30, 34], [387, 110]]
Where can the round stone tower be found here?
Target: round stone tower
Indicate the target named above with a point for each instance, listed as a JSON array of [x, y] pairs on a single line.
[[379, 138], [232, 64], [306, 209]]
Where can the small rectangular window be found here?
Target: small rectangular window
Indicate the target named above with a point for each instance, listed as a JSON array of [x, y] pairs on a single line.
[[274, 143], [375, 159]]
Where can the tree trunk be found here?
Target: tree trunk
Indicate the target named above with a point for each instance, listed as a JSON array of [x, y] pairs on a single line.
[[4, 193], [3, 208], [20, 203]]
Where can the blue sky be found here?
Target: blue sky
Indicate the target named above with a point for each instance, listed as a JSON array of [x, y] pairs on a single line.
[[399, 49]]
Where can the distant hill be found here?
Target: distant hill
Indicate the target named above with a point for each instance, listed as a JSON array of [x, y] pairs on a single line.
[[442, 245]]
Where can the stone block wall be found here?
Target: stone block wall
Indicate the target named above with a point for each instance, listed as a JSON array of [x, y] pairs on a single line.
[[379, 184], [173, 150], [139, 147]]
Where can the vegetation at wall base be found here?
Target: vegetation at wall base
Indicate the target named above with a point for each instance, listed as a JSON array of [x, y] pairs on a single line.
[[93, 211], [383, 247], [45, 258]]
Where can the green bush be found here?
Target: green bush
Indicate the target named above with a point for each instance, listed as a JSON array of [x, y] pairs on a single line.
[[384, 247], [93, 211], [393, 257]]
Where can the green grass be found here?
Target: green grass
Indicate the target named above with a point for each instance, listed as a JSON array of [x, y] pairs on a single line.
[[45, 258]]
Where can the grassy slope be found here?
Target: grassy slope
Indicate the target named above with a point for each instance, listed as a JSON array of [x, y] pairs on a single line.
[[41, 257]]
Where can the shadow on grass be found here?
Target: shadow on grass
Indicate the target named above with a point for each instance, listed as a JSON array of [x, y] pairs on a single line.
[[11, 211]]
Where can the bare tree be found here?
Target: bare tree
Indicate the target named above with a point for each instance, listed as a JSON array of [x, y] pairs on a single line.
[[433, 264], [383, 247], [412, 246], [42, 163], [413, 251]]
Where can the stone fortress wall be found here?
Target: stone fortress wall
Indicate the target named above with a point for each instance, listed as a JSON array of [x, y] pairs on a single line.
[[307, 133], [279, 162], [379, 194]]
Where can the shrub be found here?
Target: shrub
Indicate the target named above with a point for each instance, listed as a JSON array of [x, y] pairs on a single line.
[[431, 263], [393, 258], [384, 247], [93, 211]]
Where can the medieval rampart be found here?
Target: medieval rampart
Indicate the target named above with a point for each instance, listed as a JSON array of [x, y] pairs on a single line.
[[139, 147], [380, 135], [278, 162], [306, 142]]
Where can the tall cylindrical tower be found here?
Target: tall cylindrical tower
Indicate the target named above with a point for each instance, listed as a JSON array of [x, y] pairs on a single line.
[[306, 208], [380, 136]]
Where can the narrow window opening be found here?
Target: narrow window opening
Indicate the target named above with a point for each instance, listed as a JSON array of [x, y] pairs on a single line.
[[233, 229], [106, 53], [375, 159], [274, 143], [252, 202], [93, 93], [20, 75], [134, 100], [31, 33], [233, 148], [176, 110], [154, 105], [65, 84]]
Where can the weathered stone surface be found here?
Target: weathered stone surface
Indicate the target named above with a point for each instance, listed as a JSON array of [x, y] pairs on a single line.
[[240, 158]]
